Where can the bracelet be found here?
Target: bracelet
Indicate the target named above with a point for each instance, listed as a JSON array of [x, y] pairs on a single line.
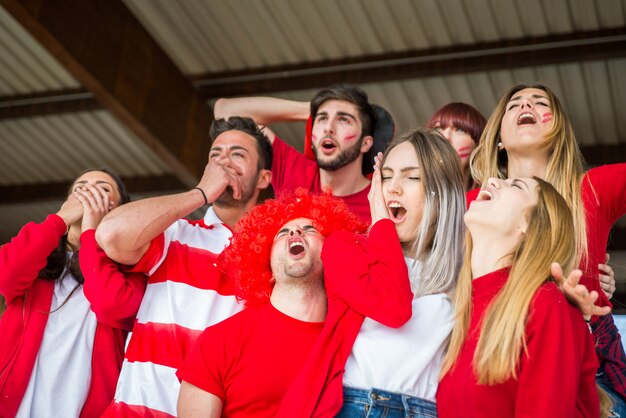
[[206, 201]]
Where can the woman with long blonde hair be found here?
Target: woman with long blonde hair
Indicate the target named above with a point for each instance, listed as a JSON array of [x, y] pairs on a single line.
[[518, 347], [529, 134]]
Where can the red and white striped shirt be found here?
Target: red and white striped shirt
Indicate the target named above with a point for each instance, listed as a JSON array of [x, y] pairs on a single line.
[[185, 294]]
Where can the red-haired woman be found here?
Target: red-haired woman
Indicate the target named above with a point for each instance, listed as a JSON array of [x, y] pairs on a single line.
[[462, 125]]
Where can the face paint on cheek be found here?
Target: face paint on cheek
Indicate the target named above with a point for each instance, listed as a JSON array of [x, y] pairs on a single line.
[[547, 117], [350, 137]]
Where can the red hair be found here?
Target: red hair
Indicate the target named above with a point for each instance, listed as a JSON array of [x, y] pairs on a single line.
[[461, 116], [247, 258]]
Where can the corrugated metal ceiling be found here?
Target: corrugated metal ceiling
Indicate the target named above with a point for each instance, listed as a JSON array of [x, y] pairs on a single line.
[[214, 36], [203, 37], [25, 66], [56, 148]]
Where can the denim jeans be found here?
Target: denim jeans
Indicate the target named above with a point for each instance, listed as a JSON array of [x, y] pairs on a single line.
[[374, 403], [619, 406]]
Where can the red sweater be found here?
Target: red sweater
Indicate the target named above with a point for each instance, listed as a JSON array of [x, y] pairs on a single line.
[[29, 299], [556, 378], [603, 192]]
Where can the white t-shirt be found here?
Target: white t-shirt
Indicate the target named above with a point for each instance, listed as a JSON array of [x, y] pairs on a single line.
[[407, 359], [61, 376]]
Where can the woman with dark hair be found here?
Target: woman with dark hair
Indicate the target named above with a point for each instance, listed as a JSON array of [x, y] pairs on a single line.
[[462, 125], [529, 134], [518, 349], [60, 355]]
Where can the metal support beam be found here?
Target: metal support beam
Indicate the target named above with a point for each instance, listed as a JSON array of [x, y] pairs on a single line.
[[110, 53]]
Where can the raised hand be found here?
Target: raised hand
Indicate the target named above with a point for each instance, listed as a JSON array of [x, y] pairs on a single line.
[[378, 207], [577, 293], [96, 203], [218, 175], [71, 210], [607, 277]]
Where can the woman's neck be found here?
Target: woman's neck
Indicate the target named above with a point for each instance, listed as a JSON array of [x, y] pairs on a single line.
[[527, 166], [489, 254], [73, 236]]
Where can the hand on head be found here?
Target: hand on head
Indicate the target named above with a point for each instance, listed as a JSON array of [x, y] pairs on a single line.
[[378, 208]]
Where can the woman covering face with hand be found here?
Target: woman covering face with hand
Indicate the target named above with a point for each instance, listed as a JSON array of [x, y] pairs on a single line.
[[60, 355], [389, 313]]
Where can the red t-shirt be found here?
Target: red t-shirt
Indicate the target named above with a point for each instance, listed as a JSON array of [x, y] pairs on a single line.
[[250, 359], [555, 379], [291, 169]]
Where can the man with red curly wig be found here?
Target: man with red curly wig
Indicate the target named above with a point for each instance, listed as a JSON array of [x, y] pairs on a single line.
[[244, 365]]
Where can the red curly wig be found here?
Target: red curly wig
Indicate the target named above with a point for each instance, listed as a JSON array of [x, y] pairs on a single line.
[[247, 258]]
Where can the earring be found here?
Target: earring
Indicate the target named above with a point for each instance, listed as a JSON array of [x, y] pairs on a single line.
[[500, 145]]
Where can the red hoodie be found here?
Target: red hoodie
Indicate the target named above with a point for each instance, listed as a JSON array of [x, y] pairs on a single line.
[[29, 298]]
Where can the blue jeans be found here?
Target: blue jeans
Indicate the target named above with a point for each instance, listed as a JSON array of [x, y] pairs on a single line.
[[374, 403], [619, 406]]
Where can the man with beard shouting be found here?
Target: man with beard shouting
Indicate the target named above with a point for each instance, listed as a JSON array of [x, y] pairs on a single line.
[[181, 299], [344, 133]]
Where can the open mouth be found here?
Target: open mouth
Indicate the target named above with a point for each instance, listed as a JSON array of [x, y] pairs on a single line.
[[296, 248], [397, 211], [526, 118], [328, 145], [484, 195]]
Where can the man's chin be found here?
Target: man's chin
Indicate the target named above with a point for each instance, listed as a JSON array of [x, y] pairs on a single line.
[[329, 165], [226, 202], [338, 161]]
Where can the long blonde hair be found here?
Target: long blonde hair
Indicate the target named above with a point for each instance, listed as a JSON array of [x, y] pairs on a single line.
[[565, 170], [439, 242], [549, 237]]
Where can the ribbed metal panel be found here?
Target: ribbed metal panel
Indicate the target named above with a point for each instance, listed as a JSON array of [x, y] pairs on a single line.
[[25, 66], [211, 36], [56, 148]]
